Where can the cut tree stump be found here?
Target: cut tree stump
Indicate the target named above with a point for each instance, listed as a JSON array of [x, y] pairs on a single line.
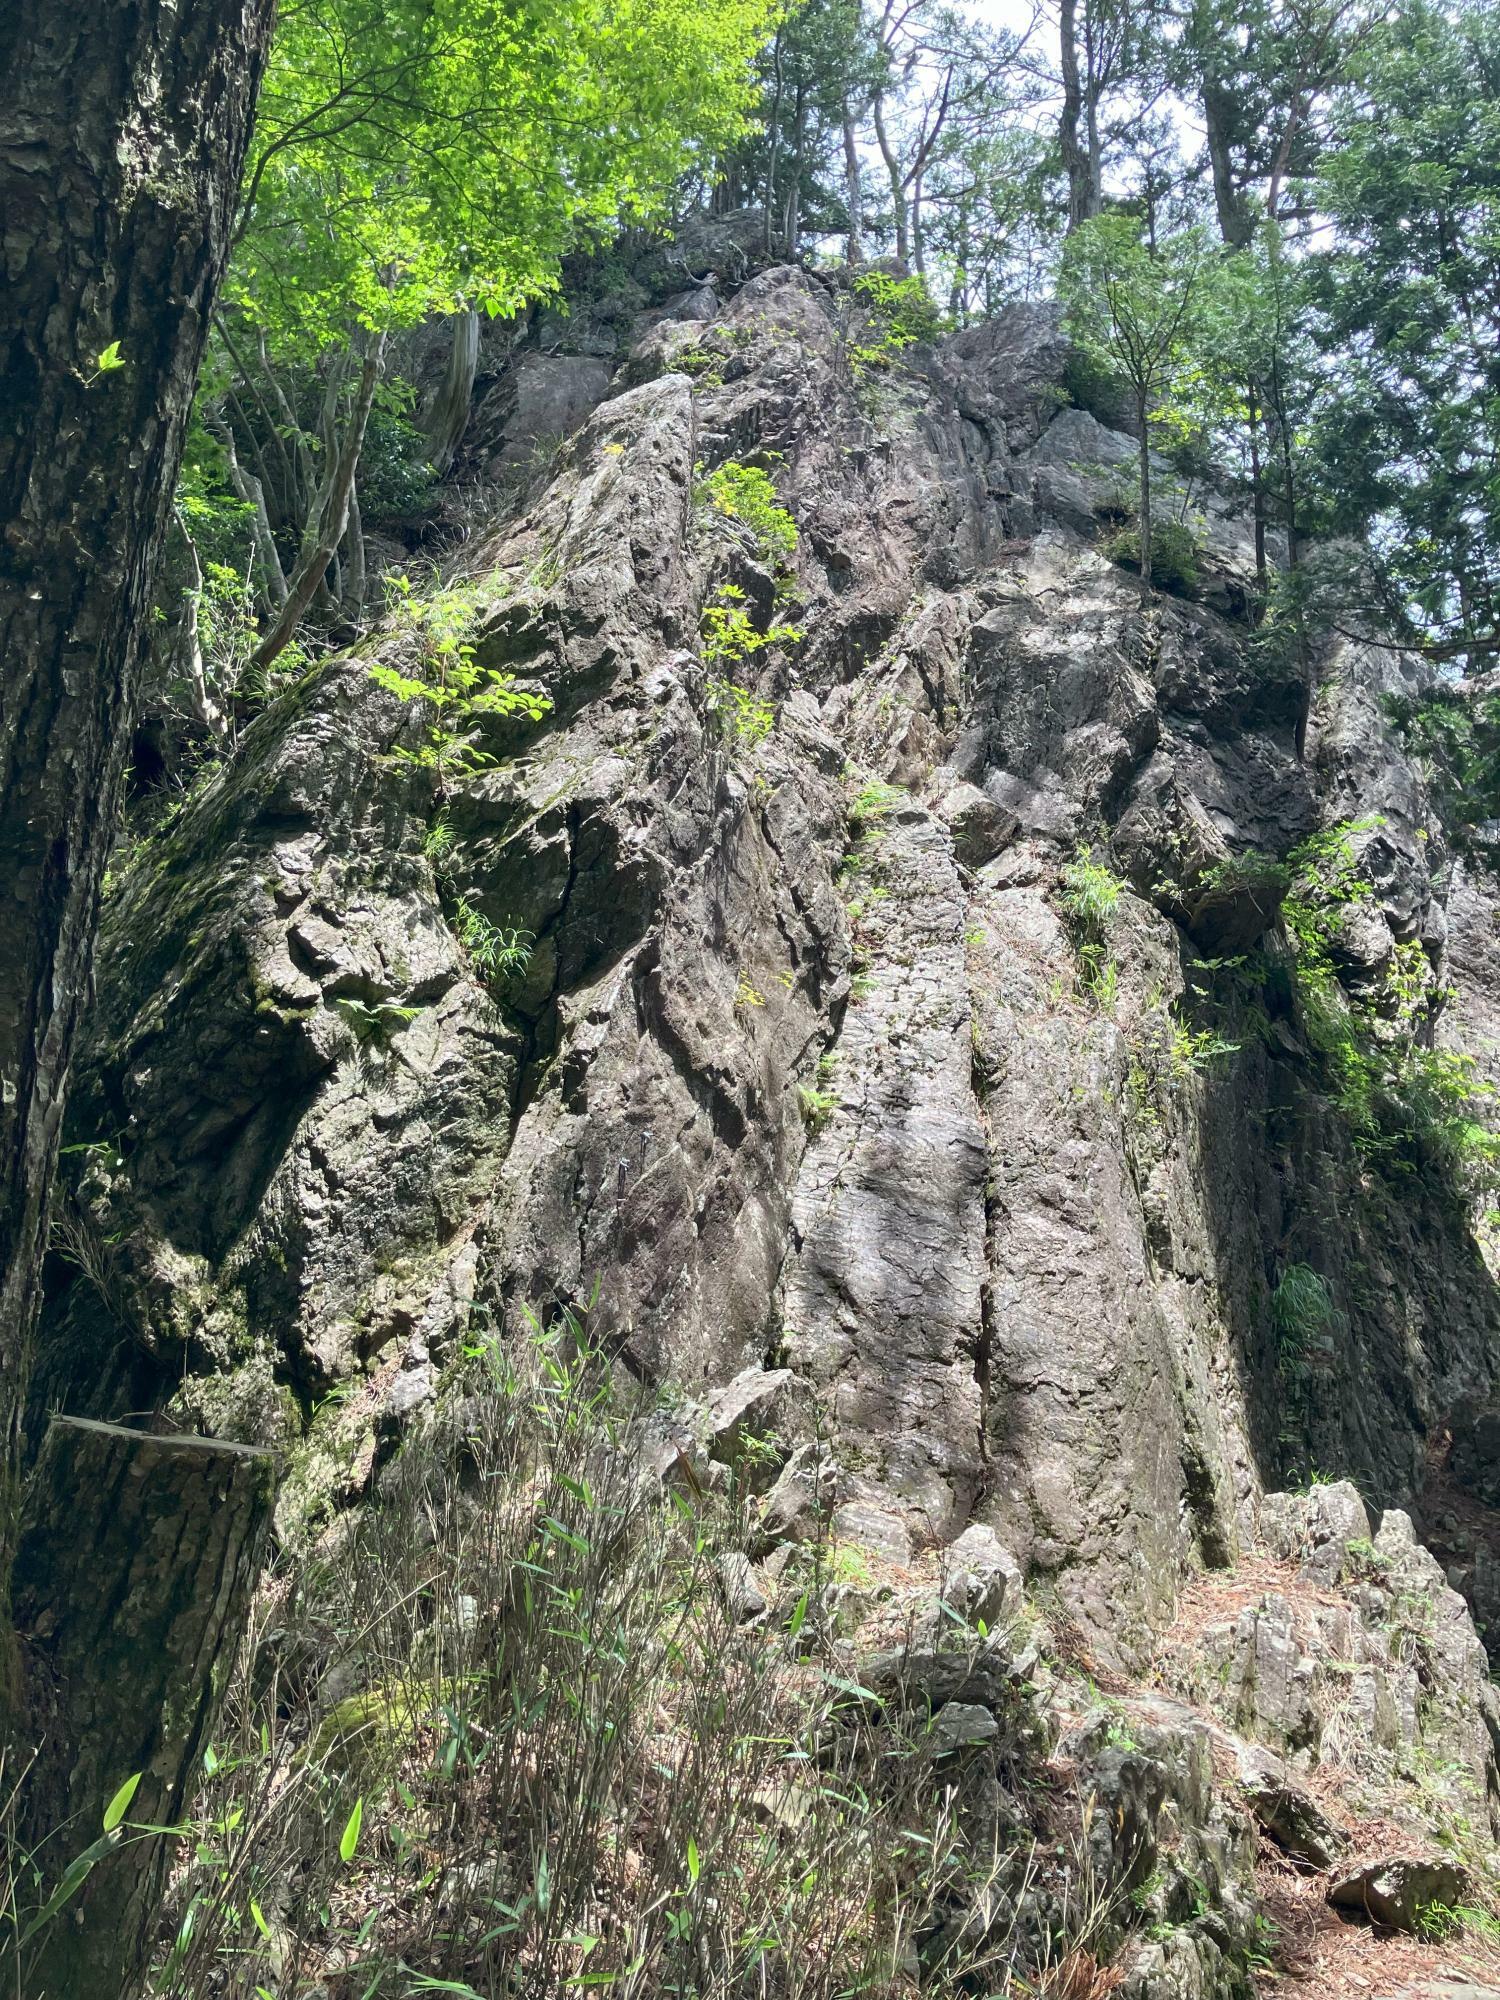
[[137, 1562]]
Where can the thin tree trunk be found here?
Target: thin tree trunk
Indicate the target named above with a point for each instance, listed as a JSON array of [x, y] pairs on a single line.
[[137, 1560], [352, 595], [1140, 413], [853, 198], [250, 493], [898, 188], [1258, 494], [448, 415], [330, 514], [125, 130], [773, 160]]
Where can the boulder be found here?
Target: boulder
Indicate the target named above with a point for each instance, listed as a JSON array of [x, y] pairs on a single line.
[[743, 1595], [1287, 1812], [980, 1577], [1399, 1890], [750, 1421]]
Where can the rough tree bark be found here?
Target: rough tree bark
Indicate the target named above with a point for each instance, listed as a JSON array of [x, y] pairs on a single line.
[[136, 1563], [123, 128], [447, 415], [1075, 158]]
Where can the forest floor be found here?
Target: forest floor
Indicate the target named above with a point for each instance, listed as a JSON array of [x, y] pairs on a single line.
[[1319, 1955]]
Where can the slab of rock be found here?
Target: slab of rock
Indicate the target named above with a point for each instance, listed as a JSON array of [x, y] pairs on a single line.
[[742, 1593], [749, 1421], [1397, 1890], [876, 1528], [981, 1576], [980, 827], [802, 1499], [1292, 1817], [961, 1725]]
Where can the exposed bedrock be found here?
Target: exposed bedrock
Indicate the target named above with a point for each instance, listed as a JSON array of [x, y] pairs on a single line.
[[809, 1065]]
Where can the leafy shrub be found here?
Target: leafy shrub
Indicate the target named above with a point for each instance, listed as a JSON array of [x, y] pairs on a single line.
[[745, 493], [727, 634], [1175, 555], [440, 629], [742, 716], [893, 314], [396, 483], [1090, 895], [1402, 1096]]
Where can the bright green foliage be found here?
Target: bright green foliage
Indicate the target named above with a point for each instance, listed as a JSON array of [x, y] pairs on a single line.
[[1402, 1094], [1409, 297], [1091, 891], [1174, 555], [1456, 734], [891, 314], [496, 952], [740, 714], [745, 493], [871, 804], [1135, 311], [414, 157], [1090, 895], [450, 678], [728, 635]]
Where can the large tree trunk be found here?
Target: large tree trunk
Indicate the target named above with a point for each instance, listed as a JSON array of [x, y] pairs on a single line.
[[1075, 158], [123, 127], [137, 1560]]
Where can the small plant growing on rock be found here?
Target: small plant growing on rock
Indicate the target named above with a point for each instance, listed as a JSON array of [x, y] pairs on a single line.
[[1090, 895], [727, 633], [450, 679], [887, 315], [817, 1106], [739, 714], [745, 493], [1175, 555]]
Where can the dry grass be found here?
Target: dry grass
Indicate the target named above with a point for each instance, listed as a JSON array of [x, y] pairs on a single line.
[[504, 1730]]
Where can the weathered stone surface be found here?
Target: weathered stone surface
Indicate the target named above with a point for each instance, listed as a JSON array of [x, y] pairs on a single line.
[[754, 1419], [1398, 1890], [1475, 1457], [1288, 1812], [1024, 1257]]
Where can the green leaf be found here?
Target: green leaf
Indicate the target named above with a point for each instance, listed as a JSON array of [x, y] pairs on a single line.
[[799, 1612], [694, 1865], [119, 1805], [349, 1839], [259, 1916], [110, 358]]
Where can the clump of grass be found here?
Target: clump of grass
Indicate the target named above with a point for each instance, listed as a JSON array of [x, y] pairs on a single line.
[[506, 1731]]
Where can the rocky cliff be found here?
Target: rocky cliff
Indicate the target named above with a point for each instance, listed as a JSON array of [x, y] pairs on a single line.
[[903, 1013]]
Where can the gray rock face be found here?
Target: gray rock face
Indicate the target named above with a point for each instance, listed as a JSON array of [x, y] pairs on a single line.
[[804, 1070]]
